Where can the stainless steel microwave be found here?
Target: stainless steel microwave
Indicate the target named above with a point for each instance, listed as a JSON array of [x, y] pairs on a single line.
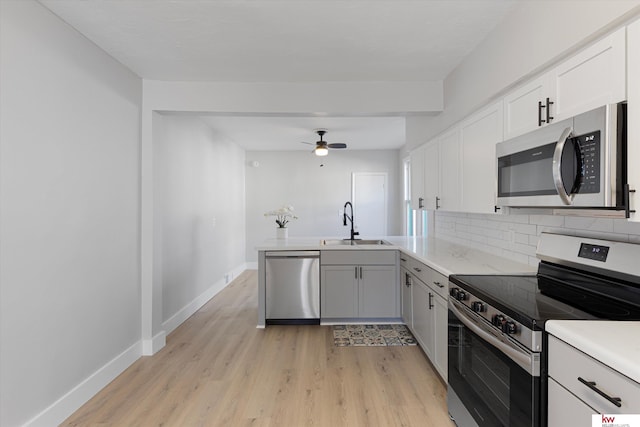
[[579, 162]]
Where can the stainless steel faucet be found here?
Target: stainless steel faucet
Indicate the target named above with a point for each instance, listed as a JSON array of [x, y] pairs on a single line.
[[350, 218]]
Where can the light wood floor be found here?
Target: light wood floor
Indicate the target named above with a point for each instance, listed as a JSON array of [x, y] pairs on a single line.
[[218, 369]]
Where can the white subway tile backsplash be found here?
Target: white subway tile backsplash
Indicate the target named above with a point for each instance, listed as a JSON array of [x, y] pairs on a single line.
[[524, 228], [589, 224], [524, 249], [521, 238], [623, 226], [547, 220], [516, 236]]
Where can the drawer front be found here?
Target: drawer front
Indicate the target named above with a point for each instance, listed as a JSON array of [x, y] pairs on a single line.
[[355, 257], [439, 283], [564, 409], [428, 275], [567, 364], [418, 269]]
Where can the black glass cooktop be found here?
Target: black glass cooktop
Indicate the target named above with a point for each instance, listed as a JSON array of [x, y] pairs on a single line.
[[554, 294]]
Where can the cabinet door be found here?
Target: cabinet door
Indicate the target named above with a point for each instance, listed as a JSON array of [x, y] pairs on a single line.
[[521, 106], [591, 78], [417, 177], [378, 291], [633, 113], [407, 313], [478, 138], [440, 325], [564, 409], [422, 316], [449, 171], [431, 174], [339, 291]]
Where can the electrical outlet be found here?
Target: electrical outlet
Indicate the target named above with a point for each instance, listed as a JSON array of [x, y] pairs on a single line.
[[227, 278]]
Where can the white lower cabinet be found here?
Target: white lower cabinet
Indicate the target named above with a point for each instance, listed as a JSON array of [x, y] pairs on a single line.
[[378, 291], [422, 319], [429, 313], [565, 409], [583, 386], [440, 326], [339, 291], [359, 284], [407, 310]]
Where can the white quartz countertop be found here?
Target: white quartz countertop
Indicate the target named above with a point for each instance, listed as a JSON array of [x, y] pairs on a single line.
[[441, 255], [614, 343]]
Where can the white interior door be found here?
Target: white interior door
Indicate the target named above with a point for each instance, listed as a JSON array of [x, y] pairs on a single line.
[[369, 199]]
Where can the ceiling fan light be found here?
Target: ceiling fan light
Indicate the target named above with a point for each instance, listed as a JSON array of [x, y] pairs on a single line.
[[321, 151]]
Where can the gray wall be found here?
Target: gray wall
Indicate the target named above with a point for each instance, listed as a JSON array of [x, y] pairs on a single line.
[[316, 193], [69, 209], [199, 227]]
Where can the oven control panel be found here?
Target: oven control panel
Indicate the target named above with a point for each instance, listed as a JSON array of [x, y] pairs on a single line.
[[500, 321]]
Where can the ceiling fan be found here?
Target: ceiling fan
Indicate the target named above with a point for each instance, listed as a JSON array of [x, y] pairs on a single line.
[[322, 147]]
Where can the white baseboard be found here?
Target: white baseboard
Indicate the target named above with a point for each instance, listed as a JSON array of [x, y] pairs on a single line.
[[155, 344], [80, 394], [187, 311]]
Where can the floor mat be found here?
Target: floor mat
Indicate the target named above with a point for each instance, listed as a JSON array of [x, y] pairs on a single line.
[[372, 335]]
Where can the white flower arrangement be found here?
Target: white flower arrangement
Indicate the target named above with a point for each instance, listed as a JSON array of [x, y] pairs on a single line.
[[283, 215]]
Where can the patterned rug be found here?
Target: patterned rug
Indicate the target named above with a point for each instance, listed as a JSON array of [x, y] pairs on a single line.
[[372, 335]]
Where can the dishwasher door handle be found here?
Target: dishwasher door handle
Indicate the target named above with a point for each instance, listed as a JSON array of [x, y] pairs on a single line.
[[293, 254]]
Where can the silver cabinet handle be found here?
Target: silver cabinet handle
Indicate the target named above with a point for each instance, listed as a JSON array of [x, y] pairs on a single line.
[[557, 167], [420, 203], [417, 269], [361, 272], [592, 385], [438, 284], [430, 300], [356, 268], [437, 202]]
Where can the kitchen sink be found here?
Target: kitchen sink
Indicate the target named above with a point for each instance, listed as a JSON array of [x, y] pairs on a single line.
[[356, 242]]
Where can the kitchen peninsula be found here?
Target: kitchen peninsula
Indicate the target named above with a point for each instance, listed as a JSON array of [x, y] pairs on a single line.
[[442, 256]]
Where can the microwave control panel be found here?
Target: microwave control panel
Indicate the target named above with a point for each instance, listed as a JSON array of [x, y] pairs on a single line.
[[589, 144]]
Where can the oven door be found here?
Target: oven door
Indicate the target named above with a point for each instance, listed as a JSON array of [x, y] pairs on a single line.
[[492, 381]]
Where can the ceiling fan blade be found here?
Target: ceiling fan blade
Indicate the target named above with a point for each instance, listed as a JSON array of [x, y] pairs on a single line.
[[308, 143], [337, 145]]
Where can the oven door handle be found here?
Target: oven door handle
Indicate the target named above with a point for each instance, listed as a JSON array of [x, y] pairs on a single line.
[[557, 167], [527, 361]]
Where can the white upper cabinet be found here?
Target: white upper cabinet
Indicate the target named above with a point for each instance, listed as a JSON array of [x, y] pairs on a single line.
[[590, 79], [449, 197], [479, 135], [633, 119], [593, 77], [521, 107], [431, 177], [416, 159]]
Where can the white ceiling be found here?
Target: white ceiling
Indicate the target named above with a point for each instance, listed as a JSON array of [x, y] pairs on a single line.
[[288, 133], [289, 41]]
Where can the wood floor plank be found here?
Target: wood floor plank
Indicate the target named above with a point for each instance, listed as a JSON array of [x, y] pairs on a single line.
[[218, 369]]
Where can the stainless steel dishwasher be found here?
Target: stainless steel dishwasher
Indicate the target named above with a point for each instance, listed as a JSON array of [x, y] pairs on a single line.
[[293, 287]]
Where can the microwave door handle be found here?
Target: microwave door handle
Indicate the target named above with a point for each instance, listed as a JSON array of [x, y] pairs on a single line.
[[557, 167]]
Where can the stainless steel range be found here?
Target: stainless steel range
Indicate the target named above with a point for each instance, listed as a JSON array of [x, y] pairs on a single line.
[[497, 354]]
